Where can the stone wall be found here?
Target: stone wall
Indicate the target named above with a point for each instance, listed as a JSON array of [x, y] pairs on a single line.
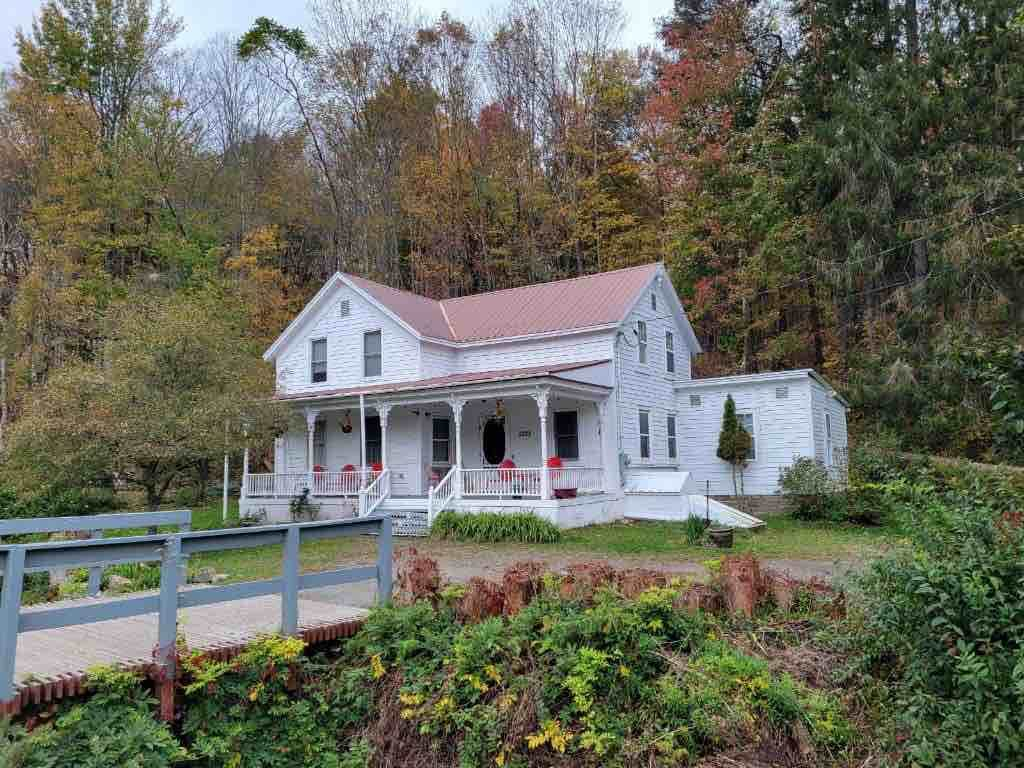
[[758, 506]]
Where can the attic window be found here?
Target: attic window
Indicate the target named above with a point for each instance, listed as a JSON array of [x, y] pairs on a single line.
[[344, 309], [695, 401], [781, 393]]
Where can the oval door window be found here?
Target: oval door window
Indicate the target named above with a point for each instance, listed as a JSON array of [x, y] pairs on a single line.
[[494, 441]]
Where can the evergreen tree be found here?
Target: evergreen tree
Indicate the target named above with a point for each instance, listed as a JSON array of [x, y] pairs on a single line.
[[734, 443]]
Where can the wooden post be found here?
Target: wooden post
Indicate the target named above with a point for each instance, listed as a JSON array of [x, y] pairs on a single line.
[[167, 631], [10, 608], [95, 573], [384, 562], [290, 583], [383, 412]]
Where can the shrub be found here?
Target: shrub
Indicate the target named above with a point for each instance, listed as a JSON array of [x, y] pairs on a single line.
[[693, 529], [522, 527], [114, 728], [302, 509], [808, 488], [56, 503], [943, 619]]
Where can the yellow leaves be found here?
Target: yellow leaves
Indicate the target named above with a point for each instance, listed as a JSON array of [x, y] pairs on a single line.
[[499, 759], [493, 673], [624, 671], [411, 699], [444, 707], [551, 733], [475, 682], [255, 691], [377, 667], [505, 701]]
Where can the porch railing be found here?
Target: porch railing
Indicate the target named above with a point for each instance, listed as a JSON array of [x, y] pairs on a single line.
[[319, 483], [501, 483], [339, 483], [580, 479], [442, 493], [371, 497]]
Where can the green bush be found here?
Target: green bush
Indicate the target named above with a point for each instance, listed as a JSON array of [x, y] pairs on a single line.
[[522, 527], [693, 529], [943, 620], [114, 728], [56, 503]]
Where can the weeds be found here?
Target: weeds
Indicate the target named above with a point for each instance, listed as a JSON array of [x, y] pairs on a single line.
[[490, 527]]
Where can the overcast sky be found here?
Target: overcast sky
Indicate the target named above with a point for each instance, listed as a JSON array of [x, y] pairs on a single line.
[[204, 18]]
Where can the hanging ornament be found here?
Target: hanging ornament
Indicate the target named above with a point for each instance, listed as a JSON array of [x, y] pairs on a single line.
[[346, 423], [499, 409]]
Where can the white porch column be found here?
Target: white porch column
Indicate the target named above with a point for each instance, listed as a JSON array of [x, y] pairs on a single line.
[[311, 415], [457, 404], [609, 444], [383, 411], [541, 396], [362, 439]]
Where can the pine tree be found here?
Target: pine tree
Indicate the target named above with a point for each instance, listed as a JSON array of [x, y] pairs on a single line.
[[734, 443]]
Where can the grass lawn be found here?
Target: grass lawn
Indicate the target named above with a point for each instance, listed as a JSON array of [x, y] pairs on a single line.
[[781, 538]]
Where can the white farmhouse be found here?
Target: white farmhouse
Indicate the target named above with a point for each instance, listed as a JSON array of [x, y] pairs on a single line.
[[408, 405]]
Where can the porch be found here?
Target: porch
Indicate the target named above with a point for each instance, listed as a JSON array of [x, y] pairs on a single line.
[[470, 447]]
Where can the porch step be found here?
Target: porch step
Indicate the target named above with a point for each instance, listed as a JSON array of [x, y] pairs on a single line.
[[408, 515]]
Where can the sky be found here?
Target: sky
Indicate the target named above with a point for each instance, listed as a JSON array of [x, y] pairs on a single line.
[[205, 18]]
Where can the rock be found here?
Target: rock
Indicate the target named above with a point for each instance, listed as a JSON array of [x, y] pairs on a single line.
[[117, 583], [203, 576]]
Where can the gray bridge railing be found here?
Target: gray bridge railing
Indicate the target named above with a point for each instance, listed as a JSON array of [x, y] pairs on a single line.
[[169, 550], [96, 525]]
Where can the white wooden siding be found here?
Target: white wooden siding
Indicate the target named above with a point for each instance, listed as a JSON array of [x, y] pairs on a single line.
[[783, 428], [821, 403], [436, 360], [572, 348], [400, 350], [650, 386]]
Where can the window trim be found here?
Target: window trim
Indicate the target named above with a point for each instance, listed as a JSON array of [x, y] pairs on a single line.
[[554, 432], [672, 435], [641, 435], [434, 441], [654, 301], [670, 352], [313, 361], [380, 355], [753, 435], [829, 449], [641, 343]]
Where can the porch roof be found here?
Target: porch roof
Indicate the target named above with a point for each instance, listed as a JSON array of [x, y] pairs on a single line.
[[451, 380]]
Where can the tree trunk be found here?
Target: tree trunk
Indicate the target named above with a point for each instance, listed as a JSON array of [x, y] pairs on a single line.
[[202, 480], [3, 400]]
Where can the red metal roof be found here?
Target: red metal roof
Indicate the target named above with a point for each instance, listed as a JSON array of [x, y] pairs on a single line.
[[579, 302], [474, 377]]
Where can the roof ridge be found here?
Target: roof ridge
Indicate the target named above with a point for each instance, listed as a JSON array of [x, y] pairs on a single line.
[[442, 302], [392, 288]]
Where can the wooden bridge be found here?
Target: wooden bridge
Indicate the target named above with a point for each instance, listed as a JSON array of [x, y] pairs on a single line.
[[45, 650]]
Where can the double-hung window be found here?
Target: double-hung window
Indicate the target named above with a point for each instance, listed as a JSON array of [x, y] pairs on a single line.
[[747, 422], [641, 341], [373, 440], [670, 430], [318, 361], [441, 442], [670, 352], [371, 354], [645, 434], [829, 449], [320, 444], [567, 435]]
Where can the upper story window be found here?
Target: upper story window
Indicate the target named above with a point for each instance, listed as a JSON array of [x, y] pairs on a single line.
[[318, 361], [654, 302], [645, 434], [670, 430], [641, 340], [371, 353], [670, 352], [567, 435], [747, 422]]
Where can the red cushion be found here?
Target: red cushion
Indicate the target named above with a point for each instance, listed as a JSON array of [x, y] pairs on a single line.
[[554, 462], [377, 467], [507, 464], [348, 468], [317, 468]]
